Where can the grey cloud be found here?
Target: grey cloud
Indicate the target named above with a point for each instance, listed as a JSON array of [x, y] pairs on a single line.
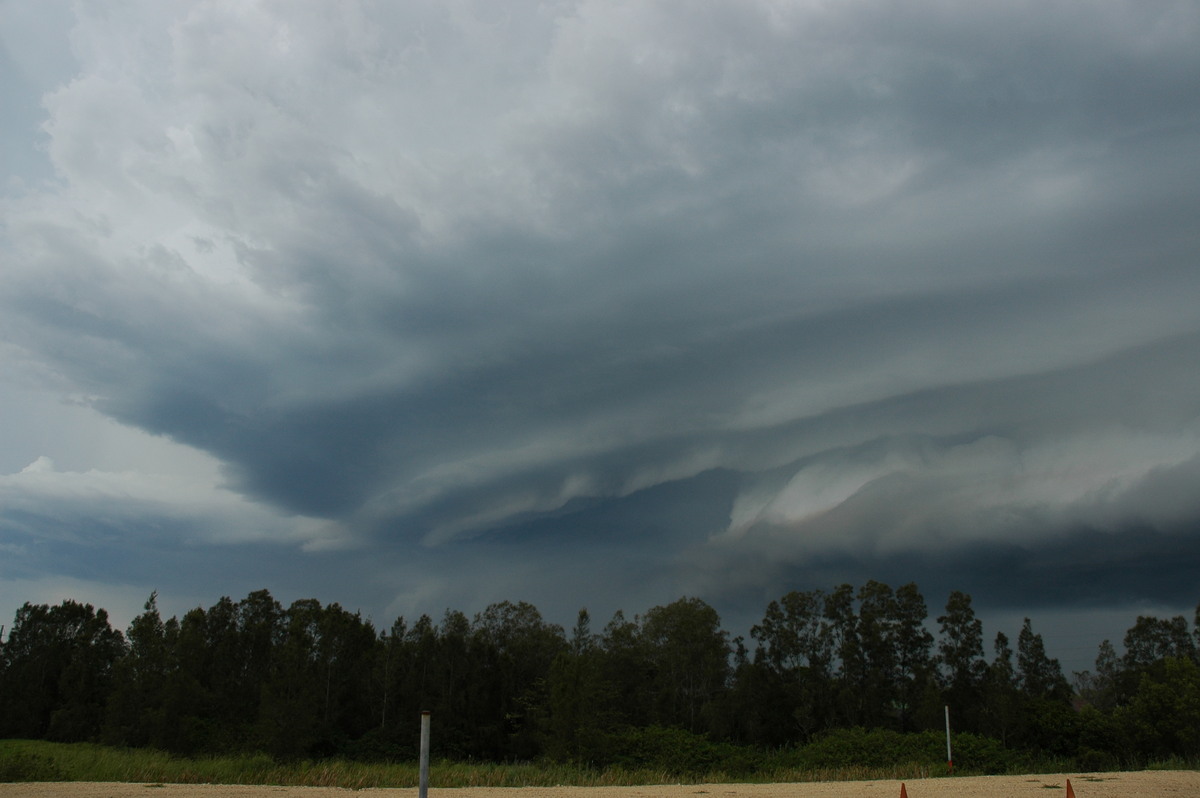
[[457, 278]]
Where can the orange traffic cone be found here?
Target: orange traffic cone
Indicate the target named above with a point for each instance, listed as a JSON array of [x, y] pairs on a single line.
[[903, 792], [1070, 792]]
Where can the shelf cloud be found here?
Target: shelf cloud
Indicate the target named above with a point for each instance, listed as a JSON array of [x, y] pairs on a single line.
[[594, 302]]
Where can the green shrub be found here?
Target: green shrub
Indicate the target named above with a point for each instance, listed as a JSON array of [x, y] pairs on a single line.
[[883, 749], [978, 754], [679, 752], [869, 748]]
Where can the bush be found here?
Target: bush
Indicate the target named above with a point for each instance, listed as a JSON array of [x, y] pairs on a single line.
[[882, 749], [679, 752], [979, 754], [858, 747]]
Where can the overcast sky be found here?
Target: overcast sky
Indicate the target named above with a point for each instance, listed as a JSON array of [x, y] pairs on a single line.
[[420, 305]]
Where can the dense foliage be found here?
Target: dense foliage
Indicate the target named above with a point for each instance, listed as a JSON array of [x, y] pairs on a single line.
[[669, 689]]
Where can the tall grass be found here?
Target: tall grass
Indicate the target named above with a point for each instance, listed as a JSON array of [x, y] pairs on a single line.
[[29, 760]]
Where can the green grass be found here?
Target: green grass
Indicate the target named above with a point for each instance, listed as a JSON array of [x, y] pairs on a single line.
[[30, 760]]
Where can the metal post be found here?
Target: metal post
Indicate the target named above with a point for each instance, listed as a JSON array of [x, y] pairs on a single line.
[[423, 791], [949, 756]]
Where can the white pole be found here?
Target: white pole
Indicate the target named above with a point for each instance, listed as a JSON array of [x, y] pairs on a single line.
[[949, 756], [423, 790]]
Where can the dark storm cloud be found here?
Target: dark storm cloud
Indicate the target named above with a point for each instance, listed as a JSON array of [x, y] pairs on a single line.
[[908, 278]]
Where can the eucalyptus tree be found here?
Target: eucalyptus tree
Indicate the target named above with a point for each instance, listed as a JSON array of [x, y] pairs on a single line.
[[289, 712], [133, 715], [389, 663], [410, 663], [1109, 684], [916, 702], [187, 707], [1038, 675], [790, 680], [318, 693], [580, 698], [514, 648], [960, 656], [55, 671], [794, 635], [1001, 698], [689, 652], [842, 622], [627, 669], [1152, 639], [876, 682], [259, 628]]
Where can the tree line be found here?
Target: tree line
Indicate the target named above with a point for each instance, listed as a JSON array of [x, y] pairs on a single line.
[[314, 680]]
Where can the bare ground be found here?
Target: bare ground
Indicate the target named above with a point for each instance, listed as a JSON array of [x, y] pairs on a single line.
[[1145, 784]]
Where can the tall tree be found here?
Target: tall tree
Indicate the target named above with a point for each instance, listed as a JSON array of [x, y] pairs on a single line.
[[462, 701], [389, 664], [580, 699], [690, 654], [318, 693], [1048, 721], [876, 684], [188, 718], [1001, 705], [56, 671], [1038, 675], [1153, 639], [1110, 684], [519, 647], [261, 627], [134, 711], [960, 654], [842, 621], [791, 677], [626, 667], [794, 635], [916, 700], [218, 659], [411, 657]]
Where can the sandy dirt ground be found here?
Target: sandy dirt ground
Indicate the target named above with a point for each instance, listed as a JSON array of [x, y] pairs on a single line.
[[1148, 784]]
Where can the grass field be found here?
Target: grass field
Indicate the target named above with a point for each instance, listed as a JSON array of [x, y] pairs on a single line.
[[30, 760]]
